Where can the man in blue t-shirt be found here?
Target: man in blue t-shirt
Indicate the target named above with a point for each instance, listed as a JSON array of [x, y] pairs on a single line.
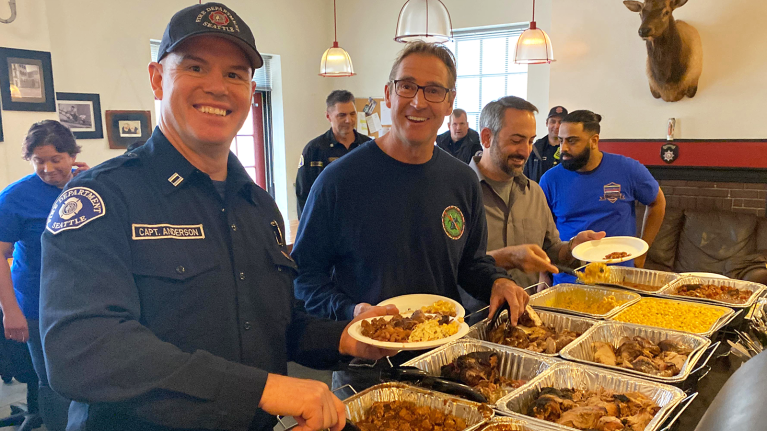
[[595, 190]]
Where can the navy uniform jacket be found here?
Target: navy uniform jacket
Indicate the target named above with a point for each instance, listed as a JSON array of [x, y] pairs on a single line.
[[317, 155], [463, 150], [164, 306], [542, 158]]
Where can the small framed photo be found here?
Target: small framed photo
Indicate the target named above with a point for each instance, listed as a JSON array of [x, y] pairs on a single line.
[[26, 80], [127, 127], [81, 112]]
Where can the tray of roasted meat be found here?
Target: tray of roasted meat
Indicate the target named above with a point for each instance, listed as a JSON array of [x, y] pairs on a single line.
[[400, 406], [653, 353], [588, 301], [488, 368], [646, 281], [546, 334], [720, 291], [579, 396]]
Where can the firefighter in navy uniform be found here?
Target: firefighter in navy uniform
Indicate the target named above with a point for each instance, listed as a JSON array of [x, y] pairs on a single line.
[[545, 151], [329, 146], [166, 290]]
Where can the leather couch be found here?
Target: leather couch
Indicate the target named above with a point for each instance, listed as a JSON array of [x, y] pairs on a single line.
[[721, 242]]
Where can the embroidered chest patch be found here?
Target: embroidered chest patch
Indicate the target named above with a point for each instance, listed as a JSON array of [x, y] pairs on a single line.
[[74, 209], [453, 222]]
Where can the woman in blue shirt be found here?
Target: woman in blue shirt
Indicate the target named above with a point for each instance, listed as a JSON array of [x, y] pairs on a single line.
[[24, 207]]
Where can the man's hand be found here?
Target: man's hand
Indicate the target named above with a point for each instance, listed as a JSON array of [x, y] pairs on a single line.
[[80, 167], [350, 346], [15, 324], [505, 290], [361, 308], [526, 257], [639, 261], [310, 402], [585, 236]]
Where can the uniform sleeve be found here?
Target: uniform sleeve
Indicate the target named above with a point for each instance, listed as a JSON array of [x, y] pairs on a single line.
[[98, 351], [307, 174], [477, 271], [645, 186], [314, 342], [314, 252], [11, 223]]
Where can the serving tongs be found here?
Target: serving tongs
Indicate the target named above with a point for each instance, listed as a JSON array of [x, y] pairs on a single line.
[[421, 378]]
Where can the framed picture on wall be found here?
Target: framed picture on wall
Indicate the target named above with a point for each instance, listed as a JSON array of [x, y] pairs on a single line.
[[81, 112], [26, 80], [127, 127]]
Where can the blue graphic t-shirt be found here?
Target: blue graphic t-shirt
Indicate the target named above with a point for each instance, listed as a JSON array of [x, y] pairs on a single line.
[[600, 200], [24, 209]]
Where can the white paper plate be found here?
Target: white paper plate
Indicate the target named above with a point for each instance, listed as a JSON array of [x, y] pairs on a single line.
[[409, 303], [595, 251], [704, 274], [356, 332]]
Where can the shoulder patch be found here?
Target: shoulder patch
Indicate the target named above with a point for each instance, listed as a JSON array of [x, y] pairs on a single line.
[[75, 208], [301, 161]]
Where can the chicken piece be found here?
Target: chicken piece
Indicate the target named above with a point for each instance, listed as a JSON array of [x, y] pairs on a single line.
[[645, 365], [674, 358], [639, 421], [582, 417], [546, 407], [649, 348], [610, 407], [673, 346], [551, 346], [603, 353], [530, 318], [628, 351], [563, 340], [609, 423]]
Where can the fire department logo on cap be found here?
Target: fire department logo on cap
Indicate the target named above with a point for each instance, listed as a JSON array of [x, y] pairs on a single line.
[[558, 110], [218, 18], [453, 222]]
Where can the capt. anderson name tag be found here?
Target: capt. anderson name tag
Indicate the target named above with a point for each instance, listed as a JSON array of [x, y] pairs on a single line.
[[167, 231]]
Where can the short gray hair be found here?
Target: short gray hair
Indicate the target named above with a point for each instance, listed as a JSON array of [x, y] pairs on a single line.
[[494, 112], [428, 49]]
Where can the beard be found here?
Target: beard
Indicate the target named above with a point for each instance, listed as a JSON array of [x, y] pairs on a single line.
[[502, 162], [577, 162]]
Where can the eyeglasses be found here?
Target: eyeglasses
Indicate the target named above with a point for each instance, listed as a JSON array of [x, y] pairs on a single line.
[[432, 93]]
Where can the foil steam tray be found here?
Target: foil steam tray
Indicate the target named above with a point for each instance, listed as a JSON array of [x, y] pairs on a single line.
[[474, 414], [505, 423], [617, 275], [726, 317], [514, 364], [581, 349], [588, 294], [558, 321], [577, 376], [756, 290]]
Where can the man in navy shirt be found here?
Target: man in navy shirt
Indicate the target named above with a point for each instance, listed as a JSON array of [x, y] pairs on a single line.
[[595, 190], [398, 215], [460, 141]]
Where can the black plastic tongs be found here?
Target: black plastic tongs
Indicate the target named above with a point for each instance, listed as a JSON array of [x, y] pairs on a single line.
[[423, 379]]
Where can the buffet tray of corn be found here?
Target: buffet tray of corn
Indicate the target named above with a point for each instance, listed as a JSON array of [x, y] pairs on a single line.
[[687, 316]]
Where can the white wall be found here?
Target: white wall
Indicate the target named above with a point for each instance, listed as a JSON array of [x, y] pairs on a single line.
[[372, 47], [602, 67], [102, 46]]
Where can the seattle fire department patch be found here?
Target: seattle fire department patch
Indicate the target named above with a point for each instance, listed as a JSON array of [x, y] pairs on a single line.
[[75, 208]]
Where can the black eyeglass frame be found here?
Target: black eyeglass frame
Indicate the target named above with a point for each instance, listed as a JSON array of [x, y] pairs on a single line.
[[421, 87]]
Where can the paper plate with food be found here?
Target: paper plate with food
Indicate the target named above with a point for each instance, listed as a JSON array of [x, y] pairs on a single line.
[[430, 304], [612, 249], [409, 331]]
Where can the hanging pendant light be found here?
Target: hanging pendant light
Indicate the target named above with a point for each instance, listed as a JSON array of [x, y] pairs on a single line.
[[533, 45], [425, 20], [336, 62]]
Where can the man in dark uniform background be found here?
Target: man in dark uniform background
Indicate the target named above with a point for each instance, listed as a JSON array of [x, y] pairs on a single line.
[[166, 290], [339, 140], [460, 141], [545, 153]]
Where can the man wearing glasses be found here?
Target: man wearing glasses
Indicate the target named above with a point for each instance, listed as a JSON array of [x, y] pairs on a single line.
[[397, 215]]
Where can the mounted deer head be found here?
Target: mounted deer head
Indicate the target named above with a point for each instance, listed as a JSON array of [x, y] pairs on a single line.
[[655, 14]]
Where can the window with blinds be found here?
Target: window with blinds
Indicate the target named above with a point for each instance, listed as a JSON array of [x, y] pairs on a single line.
[[262, 77], [486, 70]]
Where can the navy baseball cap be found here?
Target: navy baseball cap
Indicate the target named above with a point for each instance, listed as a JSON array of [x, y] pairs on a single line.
[[209, 19], [557, 111]]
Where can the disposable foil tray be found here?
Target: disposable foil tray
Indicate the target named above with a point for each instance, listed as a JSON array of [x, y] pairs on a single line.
[[514, 364], [726, 317], [505, 423], [357, 406], [558, 321], [756, 289], [611, 332], [576, 376], [588, 294], [618, 275]]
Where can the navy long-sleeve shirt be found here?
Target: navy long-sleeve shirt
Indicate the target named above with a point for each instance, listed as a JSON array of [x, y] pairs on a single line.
[[374, 228]]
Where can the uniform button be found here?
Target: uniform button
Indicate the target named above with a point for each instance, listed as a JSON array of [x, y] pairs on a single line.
[[247, 326], [223, 210], [242, 276], [234, 227], [180, 269], [279, 269]]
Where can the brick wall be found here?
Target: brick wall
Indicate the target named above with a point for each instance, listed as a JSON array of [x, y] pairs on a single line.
[[703, 196]]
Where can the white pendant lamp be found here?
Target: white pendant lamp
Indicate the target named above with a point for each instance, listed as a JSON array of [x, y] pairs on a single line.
[[533, 45], [424, 20], [336, 62]]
